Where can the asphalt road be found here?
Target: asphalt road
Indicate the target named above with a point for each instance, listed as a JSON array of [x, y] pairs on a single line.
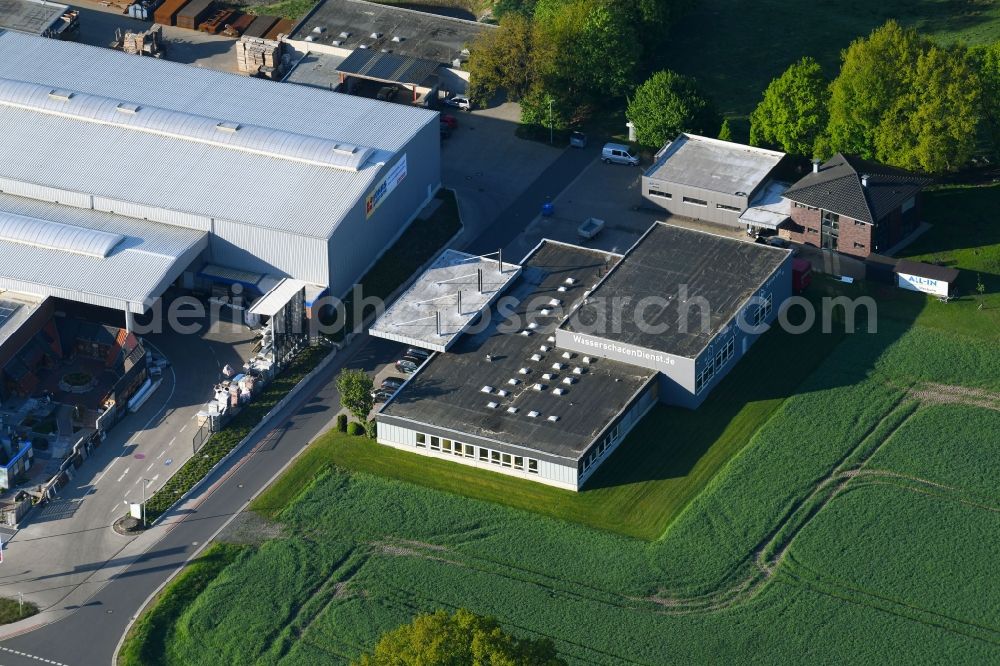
[[90, 634]]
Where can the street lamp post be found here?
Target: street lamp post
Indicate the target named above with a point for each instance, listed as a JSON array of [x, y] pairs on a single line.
[[145, 482]]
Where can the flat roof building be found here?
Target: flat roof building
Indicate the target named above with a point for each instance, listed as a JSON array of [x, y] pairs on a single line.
[[506, 398], [581, 345], [684, 303], [708, 179], [38, 17], [208, 168]]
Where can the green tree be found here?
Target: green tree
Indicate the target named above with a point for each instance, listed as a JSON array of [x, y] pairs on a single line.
[[725, 133], [987, 61], [667, 104], [355, 388], [932, 123], [462, 639], [873, 73], [793, 112], [609, 51], [501, 59]]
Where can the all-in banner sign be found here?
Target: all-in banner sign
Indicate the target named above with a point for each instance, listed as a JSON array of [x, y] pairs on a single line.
[[392, 179]]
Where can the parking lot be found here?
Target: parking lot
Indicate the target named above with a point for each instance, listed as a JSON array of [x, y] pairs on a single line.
[[99, 22], [487, 165]]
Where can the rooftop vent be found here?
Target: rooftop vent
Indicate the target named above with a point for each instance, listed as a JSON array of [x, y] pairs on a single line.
[[558, 391], [555, 302], [226, 126], [502, 393], [492, 405], [548, 376], [362, 46], [533, 414], [567, 354], [526, 332], [398, 38], [539, 387], [545, 312], [523, 371], [543, 348], [570, 280], [61, 95], [487, 389], [577, 371], [533, 325], [553, 418], [130, 109], [568, 381], [319, 30], [536, 357], [376, 35], [587, 359], [344, 34], [513, 381], [551, 338], [310, 38], [336, 42], [557, 366], [512, 410], [561, 288]]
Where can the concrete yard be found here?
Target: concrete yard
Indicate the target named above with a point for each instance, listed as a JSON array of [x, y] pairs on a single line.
[[98, 24]]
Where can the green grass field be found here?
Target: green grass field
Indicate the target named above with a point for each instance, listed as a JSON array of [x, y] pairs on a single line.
[[848, 523], [735, 48]]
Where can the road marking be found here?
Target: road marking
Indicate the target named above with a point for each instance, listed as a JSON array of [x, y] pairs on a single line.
[[127, 470], [185, 427], [31, 656], [154, 478], [161, 455], [106, 470], [171, 442]]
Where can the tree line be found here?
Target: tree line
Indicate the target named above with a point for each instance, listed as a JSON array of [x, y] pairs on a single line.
[[565, 59]]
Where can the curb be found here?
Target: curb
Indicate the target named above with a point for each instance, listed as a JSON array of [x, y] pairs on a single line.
[[327, 360]]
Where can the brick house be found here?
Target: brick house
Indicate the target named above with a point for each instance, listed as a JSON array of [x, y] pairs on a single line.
[[854, 206]]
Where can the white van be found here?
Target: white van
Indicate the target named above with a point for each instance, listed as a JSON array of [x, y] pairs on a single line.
[[617, 153]]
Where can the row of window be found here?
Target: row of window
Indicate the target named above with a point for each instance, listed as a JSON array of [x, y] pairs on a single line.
[[460, 450], [692, 201], [715, 364], [762, 311], [598, 449]]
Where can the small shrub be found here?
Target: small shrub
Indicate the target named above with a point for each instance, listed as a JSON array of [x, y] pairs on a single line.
[[371, 429], [354, 428], [342, 422]]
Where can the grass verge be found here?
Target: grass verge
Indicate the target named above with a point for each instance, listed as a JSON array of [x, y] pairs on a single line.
[[12, 611], [147, 641]]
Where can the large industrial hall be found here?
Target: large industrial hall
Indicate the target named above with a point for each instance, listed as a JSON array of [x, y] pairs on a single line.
[[131, 174]]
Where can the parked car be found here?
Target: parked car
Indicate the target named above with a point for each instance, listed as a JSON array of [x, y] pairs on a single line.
[[459, 102], [616, 153], [578, 140], [422, 354], [387, 93], [412, 359], [381, 395], [776, 241], [407, 366], [590, 228], [392, 383], [449, 120]]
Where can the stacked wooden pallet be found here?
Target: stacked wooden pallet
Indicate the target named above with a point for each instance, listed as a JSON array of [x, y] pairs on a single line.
[[255, 55], [149, 42]]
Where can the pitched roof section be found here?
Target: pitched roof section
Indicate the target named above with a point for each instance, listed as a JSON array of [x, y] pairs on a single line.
[[837, 187], [391, 67]]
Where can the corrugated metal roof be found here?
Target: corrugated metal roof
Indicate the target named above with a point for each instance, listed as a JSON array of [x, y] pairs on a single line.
[[147, 258], [271, 303], [55, 236], [184, 126], [392, 67], [187, 176]]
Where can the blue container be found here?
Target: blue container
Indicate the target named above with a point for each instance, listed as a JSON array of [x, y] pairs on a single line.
[[548, 209]]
